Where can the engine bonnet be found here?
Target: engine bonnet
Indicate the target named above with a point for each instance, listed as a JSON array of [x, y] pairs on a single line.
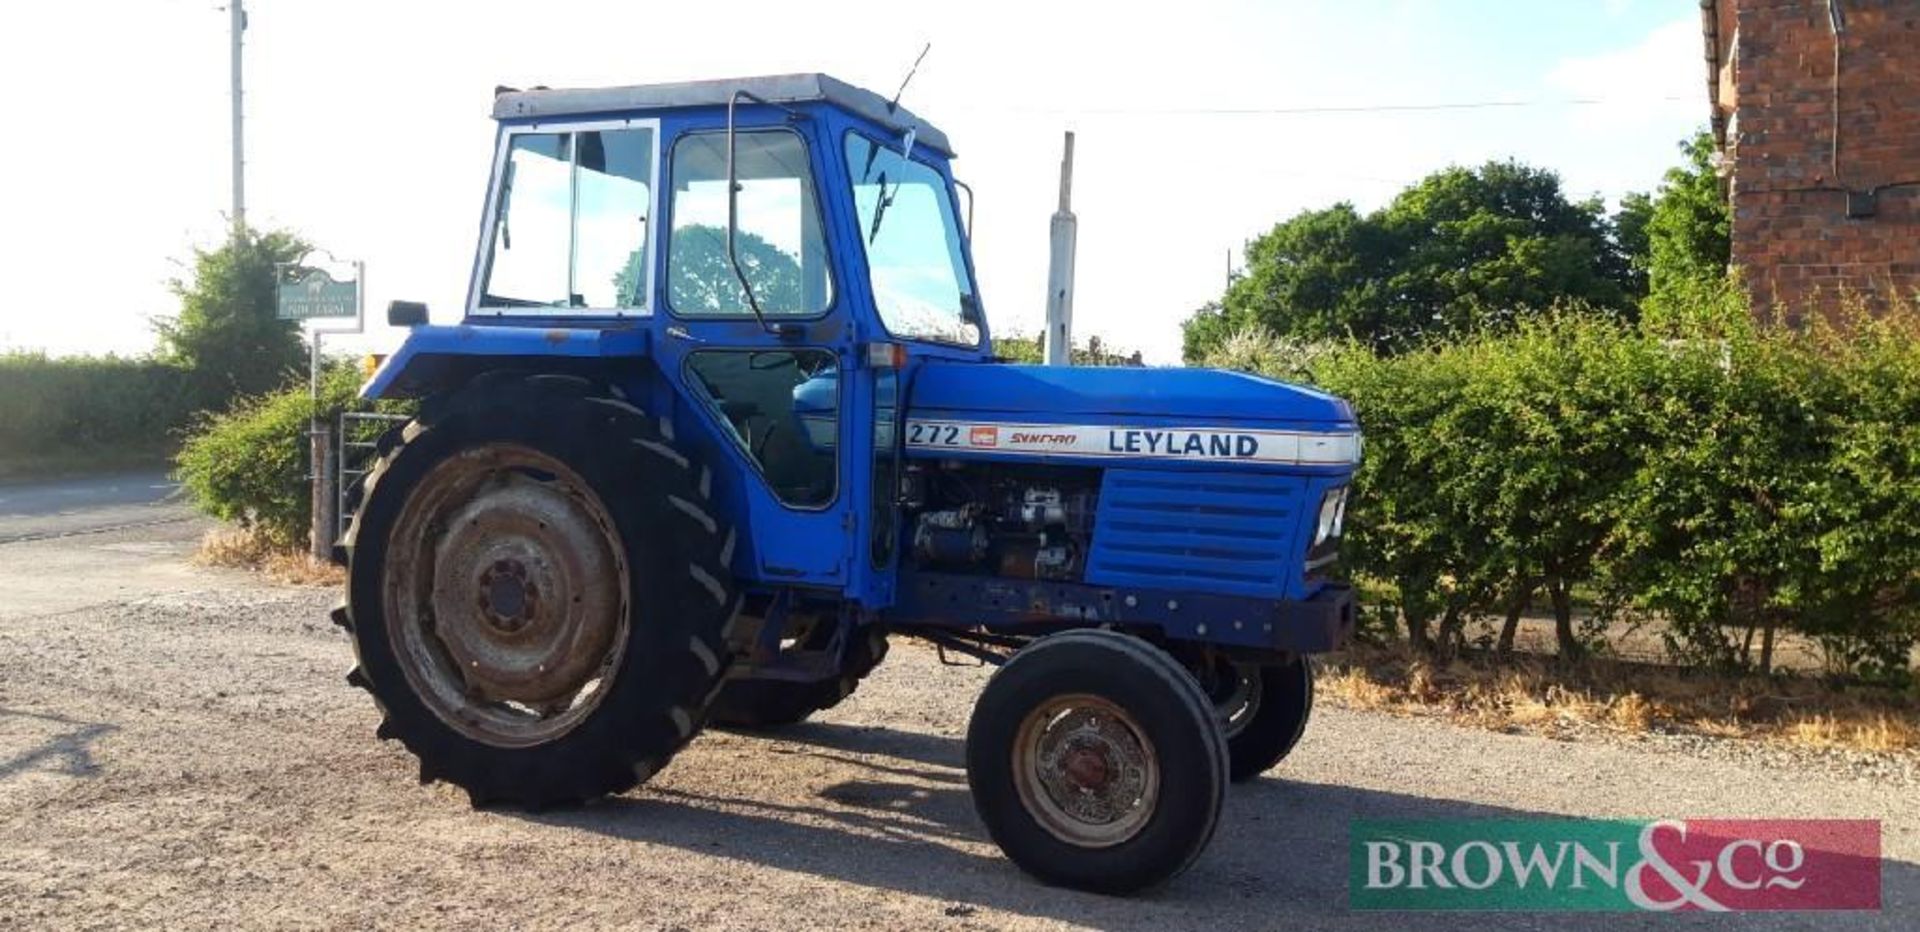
[[1191, 416]]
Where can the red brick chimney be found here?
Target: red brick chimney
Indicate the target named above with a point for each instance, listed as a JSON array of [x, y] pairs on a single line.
[[1816, 104]]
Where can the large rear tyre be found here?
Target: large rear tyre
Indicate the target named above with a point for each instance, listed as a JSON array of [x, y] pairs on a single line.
[[1096, 762], [537, 591], [1264, 711], [752, 703]]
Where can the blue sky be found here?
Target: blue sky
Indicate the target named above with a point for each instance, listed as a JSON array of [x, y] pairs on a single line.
[[368, 127]]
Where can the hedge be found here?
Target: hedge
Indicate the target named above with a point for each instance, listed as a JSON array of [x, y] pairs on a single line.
[[249, 464], [104, 406], [1729, 478]]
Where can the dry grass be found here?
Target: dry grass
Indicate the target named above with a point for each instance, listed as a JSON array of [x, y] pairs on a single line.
[[241, 549], [1875, 732], [1536, 695]]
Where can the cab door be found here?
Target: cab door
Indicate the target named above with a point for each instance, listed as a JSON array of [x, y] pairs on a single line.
[[772, 388]]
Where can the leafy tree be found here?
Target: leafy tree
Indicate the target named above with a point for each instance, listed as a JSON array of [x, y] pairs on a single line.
[[1479, 247], [1327, 273], [1205, 330], [1689, 230], [226, 331], [1630, 238], [630, 283], [1464, 250], [700, 277]]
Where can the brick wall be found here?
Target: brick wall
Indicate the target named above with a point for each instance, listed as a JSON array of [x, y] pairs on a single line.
[[1791, 232]]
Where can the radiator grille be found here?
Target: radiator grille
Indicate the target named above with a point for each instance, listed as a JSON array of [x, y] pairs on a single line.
[[1214, 532]]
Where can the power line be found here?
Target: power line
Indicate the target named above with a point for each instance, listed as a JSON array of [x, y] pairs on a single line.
[[1312, 109]]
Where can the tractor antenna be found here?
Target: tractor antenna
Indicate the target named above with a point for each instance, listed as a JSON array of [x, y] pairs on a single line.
[[894, 104]]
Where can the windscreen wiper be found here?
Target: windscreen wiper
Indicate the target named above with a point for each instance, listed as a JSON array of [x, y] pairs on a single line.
[[506, 198], [882, 199]]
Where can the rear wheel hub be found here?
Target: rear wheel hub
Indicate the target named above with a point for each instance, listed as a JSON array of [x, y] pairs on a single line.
[[511, 595]]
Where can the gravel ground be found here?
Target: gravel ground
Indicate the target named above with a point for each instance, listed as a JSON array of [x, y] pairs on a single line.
[[178, 749], [1896, 771]]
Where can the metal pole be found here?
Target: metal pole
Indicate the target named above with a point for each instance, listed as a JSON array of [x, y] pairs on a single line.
[[313, 376], [326, 518], [1065, 228], [237, 24], [320, 535]]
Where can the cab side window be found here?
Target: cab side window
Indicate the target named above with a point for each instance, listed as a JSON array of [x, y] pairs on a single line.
[[779, 239], [570, 223]]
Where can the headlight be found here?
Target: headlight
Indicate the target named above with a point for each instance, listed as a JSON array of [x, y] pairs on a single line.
[[1333, 515]]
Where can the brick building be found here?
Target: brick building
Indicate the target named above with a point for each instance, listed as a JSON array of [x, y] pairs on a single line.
[[1816, 107]]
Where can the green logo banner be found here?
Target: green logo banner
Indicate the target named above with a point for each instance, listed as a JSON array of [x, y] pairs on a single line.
[[1710, 865]]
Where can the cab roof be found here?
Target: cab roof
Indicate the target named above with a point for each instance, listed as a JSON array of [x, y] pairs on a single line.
[[511, 104]]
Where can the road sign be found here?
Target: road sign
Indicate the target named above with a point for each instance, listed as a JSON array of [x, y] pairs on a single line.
[[305, 294]]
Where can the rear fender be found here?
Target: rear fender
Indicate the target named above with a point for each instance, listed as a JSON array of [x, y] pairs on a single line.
[[437, 358]]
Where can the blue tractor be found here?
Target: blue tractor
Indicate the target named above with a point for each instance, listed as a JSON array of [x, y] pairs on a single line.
[[723, 415]]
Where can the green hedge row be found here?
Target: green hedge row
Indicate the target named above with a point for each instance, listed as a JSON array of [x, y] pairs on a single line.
[[106, 406], [249, 464], [1726, 478]]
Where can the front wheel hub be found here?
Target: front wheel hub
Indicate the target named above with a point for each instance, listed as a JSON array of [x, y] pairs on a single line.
[[1085, 770]]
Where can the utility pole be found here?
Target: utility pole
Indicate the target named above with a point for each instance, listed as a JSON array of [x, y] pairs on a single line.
[[1059, 334], [237, 24]]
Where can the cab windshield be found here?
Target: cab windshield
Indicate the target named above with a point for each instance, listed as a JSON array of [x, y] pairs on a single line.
[[920, 282]]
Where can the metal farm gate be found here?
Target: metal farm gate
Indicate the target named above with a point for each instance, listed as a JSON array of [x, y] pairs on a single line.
[[359, 438]]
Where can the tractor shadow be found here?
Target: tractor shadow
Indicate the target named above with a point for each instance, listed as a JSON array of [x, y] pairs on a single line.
[[907, 824], [68, 752]]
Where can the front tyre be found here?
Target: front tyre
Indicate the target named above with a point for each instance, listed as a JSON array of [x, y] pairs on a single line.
[[1096, 762], [537, 589]]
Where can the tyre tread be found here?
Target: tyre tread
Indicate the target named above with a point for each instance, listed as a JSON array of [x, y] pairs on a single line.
[[648, 745]]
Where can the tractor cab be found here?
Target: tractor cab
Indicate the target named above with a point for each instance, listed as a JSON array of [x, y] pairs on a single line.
[[721, 415], [778, 248], [738, 202]]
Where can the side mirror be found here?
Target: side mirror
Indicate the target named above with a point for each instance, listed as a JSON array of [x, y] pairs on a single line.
[[406, 314]]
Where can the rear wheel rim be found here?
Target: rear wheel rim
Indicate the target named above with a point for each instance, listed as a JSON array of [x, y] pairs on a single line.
[[507, 595], [1085, 770]]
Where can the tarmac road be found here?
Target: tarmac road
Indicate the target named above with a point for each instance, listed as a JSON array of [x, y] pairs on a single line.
[[63, 507], [177, 749]]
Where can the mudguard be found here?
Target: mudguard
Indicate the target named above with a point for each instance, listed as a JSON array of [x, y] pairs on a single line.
[[434, 356]]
